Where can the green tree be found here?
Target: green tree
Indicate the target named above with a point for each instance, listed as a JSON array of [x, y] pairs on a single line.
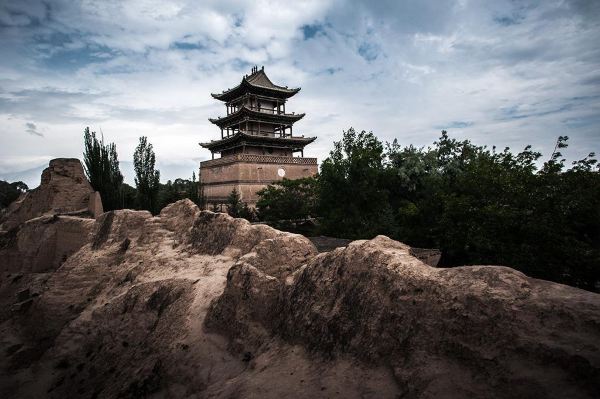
[[147, 179], [10, 192], [101, 166], [129, 197], [193, 190], [168, 194], [353, 201], [288, 200], [196, 192], [179, 189], [238, 208], [480, 206]]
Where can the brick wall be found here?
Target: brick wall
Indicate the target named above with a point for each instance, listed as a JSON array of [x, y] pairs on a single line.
[[249, 173]]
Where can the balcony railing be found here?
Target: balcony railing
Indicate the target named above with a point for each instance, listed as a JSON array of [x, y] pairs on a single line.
[[266, 110], [266, 133], [253, 158]]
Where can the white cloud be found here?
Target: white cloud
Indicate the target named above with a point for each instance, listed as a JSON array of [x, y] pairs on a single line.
[[501, 73]]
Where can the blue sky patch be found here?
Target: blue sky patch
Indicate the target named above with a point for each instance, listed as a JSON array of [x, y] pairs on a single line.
[[508, 21], [369, 51], [310, 31], [455, 125], [188, 46]]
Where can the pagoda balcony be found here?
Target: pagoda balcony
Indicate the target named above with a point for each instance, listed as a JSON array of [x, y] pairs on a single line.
[[264, 110], [290, 143], [245, 113], [261, 133], [254, 158]]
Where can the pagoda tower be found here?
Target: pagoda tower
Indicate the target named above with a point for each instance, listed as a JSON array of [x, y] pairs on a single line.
[[257, 145]]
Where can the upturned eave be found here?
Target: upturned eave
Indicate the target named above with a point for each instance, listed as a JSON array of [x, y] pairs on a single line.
[[245, 112]]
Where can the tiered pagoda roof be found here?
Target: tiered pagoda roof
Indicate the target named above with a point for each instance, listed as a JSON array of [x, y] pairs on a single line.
[[256, 83], [245, 113], [295, 143], [256, 117]]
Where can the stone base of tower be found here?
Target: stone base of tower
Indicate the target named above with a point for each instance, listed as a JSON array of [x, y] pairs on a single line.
[[248, 174]]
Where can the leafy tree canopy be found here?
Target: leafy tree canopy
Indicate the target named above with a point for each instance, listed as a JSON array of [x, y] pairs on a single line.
[[237, 208], [9, 192], [288, 200], [179, 189], [478, 205], [353, 198]]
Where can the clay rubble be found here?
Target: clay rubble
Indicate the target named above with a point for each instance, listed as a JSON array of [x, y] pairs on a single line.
[[196, 304], [63, 190]]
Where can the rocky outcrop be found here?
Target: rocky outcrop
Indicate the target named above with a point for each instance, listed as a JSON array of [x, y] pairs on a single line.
[[43, 244], [477, 331], [198, 304], [428, 256], [64, 189]]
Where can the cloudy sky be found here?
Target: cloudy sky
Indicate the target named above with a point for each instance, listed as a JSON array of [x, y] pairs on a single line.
[[504, 73]]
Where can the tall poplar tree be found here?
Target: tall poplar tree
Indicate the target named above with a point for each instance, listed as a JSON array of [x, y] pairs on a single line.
[[101, 166], [147, 179]]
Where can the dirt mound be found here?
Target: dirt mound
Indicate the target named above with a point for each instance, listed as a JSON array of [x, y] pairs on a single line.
[[480, 331], [198, 304], [43, 244], [64, 189]]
